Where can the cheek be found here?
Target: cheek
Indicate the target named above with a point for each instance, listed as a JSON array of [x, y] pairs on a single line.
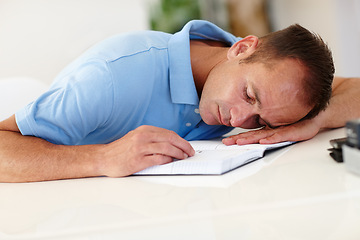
[[234, 96], [222, 83], [206, 112]]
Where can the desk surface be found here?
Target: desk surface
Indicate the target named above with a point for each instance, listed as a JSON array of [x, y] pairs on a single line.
[[297, 192]]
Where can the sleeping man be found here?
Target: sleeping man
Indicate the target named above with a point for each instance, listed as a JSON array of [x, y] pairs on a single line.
[[134, 100]]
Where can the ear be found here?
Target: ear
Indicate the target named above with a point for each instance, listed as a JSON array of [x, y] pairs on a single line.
[[245, 47]]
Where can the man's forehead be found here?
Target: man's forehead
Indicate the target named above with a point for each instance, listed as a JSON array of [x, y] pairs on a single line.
[[278, 92], [282, 109]]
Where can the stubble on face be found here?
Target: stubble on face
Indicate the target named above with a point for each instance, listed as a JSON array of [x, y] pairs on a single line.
[[278, 86]]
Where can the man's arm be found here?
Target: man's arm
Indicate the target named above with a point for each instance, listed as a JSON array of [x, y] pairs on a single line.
[[27, 158], [344, 106]]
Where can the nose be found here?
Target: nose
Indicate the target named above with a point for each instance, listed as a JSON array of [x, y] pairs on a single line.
[[244, 117]]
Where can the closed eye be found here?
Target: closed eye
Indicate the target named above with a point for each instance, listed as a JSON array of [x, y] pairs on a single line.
[[248, 98], [267, 124]]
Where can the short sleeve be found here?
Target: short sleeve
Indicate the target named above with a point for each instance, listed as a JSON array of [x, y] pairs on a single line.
[[80, 102]]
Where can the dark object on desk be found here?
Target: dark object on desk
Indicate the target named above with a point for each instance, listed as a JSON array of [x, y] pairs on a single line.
[[351, 150], [336, 150], [351, 158], [336, 154], [353, 133], [352, 140]]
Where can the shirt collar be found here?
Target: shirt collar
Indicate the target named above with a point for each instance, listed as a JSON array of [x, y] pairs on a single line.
[[182, 86]]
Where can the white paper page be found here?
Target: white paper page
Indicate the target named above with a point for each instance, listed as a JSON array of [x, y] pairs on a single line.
[[218, 145], [212, 157], [205, 162]]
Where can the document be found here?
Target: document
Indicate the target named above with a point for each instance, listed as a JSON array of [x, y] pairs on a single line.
[[212, 157]]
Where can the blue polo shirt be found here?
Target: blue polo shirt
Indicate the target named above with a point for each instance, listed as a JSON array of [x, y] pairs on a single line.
[[129, 80]]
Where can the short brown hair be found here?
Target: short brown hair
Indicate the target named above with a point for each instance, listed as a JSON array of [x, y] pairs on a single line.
[[296, 42]]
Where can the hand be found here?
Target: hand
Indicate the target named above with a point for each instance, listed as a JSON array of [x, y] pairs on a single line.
[[141, 148], [299, 131]]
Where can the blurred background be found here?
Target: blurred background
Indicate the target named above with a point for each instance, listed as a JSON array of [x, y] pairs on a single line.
[[39, 37]]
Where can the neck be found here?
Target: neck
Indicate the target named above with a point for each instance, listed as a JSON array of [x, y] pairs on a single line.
[[205, 55]]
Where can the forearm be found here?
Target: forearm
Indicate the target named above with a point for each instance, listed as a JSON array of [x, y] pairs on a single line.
[[26, 159], [344, 103]]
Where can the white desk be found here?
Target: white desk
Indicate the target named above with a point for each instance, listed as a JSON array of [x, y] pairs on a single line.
[[295, 193]]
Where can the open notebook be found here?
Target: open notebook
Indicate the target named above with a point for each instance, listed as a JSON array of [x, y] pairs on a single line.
[[213, 157]]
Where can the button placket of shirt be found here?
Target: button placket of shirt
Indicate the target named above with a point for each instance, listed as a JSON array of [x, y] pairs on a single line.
[[197, 113]]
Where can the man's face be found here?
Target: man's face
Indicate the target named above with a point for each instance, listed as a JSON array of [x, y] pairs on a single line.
[[252, 95]]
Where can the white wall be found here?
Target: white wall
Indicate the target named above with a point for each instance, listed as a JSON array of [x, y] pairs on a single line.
[[337, 21], [39, 37], [348, 26]]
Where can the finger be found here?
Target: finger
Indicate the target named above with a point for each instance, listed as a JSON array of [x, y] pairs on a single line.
[[182, 144], [166, 149], [148, 161], [245, 135], [229, 141], [164, 135], [249, 137], [156, 159], [274, 138], [256, 138], [290, 133], [281, 134]]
